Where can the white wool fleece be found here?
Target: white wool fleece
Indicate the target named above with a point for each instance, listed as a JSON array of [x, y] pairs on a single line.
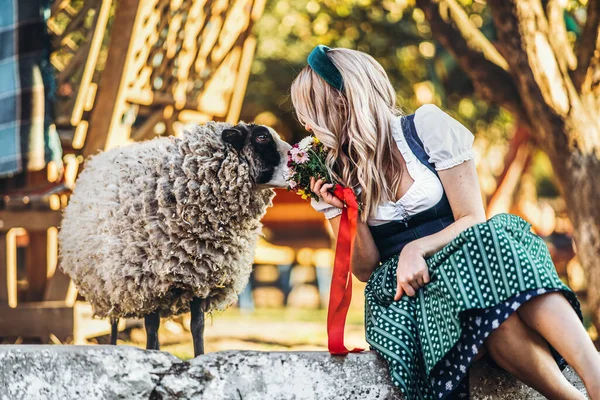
[[151, 225]]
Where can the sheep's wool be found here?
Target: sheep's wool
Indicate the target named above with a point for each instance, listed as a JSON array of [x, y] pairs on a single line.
[[151, 225]]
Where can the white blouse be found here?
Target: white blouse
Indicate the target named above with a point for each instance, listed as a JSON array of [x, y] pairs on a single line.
[[446, 141]]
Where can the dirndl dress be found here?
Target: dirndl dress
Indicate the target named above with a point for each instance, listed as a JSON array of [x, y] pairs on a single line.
[[476, 282]]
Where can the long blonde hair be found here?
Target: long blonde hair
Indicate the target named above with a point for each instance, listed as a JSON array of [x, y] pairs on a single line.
[[354, 124]]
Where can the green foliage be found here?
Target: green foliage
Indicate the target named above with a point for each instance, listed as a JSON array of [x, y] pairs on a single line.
[[543, 175], [394, 32], [397, 34]]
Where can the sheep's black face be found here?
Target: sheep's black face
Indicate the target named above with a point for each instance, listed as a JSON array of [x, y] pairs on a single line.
[[265, 151]]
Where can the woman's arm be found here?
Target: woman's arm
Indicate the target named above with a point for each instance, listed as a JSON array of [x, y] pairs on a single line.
[[462, 189], [365, 256], [464, 195]]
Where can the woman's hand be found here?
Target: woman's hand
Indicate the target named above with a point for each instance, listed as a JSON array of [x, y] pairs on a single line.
[[323, 190], [412, 273]]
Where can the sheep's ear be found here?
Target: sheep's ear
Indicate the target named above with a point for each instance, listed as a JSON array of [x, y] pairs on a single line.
[[234, 137]]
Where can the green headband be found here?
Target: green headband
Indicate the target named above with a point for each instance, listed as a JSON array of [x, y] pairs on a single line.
[[322, 65]]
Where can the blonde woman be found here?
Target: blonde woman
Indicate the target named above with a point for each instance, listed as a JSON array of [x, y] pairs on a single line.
[[444, 286]]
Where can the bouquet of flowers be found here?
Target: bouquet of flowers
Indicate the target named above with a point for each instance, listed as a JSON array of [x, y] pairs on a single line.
[[306, 159]]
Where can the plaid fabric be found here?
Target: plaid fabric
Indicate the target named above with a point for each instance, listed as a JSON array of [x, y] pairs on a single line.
[[28, 139]]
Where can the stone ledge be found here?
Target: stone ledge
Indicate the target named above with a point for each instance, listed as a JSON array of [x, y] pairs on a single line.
[[123, 372]]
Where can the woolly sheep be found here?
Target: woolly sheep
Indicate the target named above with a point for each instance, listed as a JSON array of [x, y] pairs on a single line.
[[170, 225]]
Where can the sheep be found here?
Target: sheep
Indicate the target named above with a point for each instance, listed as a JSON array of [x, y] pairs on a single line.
[[158, 228]]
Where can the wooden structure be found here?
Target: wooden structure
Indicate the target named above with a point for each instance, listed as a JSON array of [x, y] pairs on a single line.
[[127, 70], [289, 247]]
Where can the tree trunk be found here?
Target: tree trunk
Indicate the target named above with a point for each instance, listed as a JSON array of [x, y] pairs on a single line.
[[516, 161], [558, 100], [562, 125]]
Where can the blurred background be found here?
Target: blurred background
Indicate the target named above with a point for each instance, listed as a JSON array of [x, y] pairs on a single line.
[[80, 76]]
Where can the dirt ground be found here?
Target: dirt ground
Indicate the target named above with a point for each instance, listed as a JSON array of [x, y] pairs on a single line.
[[271, 329], [270, 326]]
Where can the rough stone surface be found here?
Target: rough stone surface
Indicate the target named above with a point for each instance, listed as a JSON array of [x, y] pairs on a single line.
[[80, 372], [488, 382], [123, 372]]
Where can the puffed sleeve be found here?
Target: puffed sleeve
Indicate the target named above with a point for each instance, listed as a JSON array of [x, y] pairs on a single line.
[[446, 141], [327, 209]]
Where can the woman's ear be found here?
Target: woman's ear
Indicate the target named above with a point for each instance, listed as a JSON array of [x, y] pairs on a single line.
[[235, 137]]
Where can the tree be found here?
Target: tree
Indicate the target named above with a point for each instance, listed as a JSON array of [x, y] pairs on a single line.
[[394, 32], [552, 86]]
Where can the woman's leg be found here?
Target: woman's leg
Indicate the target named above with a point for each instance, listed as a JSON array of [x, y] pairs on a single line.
[[526, 355], [552, 316]]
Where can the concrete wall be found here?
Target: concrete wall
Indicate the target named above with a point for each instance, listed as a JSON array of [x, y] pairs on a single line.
[[122, 372]]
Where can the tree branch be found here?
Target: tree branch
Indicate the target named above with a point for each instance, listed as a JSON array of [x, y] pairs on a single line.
[[475, 54], [549, 98], [473, 36], [588, 54], [562, 48]]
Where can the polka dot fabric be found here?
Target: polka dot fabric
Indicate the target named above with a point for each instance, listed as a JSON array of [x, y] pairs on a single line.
[[477, 281]]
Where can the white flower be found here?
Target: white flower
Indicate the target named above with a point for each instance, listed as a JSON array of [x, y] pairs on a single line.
[[305, 143], [463, 369], [515, 305], [478, 321], [289, 174], [474, 349], [449, 385], [541, 291], [495, 324]]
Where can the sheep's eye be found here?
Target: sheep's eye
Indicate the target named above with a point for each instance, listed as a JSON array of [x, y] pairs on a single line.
[[262, 138]]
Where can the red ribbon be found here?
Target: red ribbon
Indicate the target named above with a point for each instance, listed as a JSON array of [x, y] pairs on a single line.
[[341, 281]]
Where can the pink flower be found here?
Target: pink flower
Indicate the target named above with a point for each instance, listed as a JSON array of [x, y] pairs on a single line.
[[292, 153], [300, 157], [292, 183]]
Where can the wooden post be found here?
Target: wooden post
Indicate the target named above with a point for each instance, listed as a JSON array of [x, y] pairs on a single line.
[[102, 14], [36, 264], [237, 98], [8, 269], [109, 104]]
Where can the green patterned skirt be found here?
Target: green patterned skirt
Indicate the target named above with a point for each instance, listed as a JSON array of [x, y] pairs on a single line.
[[477, 280]]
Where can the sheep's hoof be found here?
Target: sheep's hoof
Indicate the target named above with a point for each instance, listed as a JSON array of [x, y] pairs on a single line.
[[152, 322], [197, 308], [114, 330]]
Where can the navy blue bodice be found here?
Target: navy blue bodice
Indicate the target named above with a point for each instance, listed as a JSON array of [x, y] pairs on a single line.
[[391, 237]]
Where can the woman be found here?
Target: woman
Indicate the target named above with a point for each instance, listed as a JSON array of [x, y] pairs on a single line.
[[444, 286]]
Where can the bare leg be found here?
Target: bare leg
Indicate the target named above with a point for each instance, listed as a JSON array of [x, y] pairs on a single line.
[[114, 331], [552, 316], [526, 355], [198, 307], [152, 322]]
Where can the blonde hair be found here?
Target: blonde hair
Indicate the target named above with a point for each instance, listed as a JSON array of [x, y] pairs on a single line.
[[354, 124]]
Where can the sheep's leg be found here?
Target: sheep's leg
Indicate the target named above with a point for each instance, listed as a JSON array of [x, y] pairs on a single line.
[[198, 307], [114, 331], [152, 322]]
